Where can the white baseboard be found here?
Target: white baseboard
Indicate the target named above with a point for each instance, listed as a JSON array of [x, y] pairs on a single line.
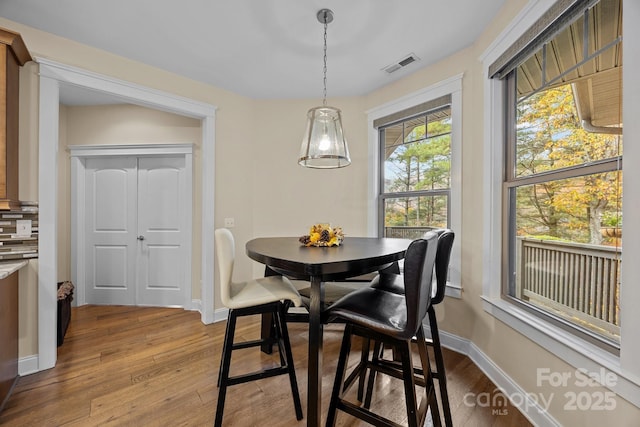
[[28, 365], [529, 405], [220, 314], [196, 305]]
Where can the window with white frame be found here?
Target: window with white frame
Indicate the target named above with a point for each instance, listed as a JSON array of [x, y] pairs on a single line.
[[538, 23], [417, 172], [562, 191]]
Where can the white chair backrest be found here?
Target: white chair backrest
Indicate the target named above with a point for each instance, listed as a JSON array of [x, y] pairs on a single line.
[[225, 250]]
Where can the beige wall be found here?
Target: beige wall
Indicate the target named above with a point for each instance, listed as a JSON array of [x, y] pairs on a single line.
[[288, 198], [259, 184]]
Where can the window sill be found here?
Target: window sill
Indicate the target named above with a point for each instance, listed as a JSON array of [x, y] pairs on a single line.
[[566, 346]]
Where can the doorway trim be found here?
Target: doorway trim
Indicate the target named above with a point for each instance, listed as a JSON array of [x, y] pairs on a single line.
[[52, 76]]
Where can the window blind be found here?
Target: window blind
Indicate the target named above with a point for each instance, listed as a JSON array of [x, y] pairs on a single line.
[[544, 29], [413, 111]]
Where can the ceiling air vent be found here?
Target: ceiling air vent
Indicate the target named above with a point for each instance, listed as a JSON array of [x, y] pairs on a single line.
[[401, 63]]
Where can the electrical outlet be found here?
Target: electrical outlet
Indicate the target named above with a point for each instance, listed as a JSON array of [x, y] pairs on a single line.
[[23, 227], [229, 222]]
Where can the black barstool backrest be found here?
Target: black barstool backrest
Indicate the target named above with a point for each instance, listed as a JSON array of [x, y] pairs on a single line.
[[445, 243], [418, 274]]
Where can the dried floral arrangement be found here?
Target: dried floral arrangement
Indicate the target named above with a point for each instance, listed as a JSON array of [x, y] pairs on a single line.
[[323, 235]]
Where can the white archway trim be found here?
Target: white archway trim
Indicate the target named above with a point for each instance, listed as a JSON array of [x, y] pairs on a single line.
[[52, 76]]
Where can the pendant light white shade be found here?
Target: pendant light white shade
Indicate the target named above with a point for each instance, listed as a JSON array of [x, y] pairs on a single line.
[[324, 145]]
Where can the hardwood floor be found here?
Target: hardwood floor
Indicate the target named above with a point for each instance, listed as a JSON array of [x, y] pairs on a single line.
[[158, 367]]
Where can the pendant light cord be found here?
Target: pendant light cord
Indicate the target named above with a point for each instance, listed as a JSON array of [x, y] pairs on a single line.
[[324, 70]]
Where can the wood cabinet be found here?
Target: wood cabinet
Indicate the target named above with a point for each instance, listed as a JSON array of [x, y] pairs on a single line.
[[8, 335], [13, 54]]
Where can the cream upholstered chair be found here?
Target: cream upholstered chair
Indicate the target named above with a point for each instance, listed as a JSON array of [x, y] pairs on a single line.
[[263, 295]]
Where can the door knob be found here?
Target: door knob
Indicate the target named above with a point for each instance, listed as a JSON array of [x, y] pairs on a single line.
[[140, 237]]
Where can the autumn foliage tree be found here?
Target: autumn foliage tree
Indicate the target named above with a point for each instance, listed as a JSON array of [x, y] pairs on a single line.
[[550, 138]]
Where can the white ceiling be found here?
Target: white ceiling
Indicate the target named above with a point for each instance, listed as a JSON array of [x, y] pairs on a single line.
[[267, 49]]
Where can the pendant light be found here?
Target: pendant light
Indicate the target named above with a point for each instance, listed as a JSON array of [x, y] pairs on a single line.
[[324, 145]]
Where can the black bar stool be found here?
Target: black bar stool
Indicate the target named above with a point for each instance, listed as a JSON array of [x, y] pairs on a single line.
[[392, 319], [396, 285]]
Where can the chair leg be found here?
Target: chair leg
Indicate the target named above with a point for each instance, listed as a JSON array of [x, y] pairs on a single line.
[[364, 358], [378, 348], [440, 373], [281, 320], [360, 370], [345, 349], [224, 366], [224, 346], [277, 337], [276, 311], [429, 399], [409, 384]]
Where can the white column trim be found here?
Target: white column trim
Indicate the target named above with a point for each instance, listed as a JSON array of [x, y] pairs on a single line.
[[48, 222], [208, 220]]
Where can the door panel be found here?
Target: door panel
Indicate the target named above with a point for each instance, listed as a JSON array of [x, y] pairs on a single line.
[[161, 220], [111, 226], [107, 260]]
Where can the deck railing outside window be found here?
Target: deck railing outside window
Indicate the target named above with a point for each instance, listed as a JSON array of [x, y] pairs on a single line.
[[576, 281], [406, 232]]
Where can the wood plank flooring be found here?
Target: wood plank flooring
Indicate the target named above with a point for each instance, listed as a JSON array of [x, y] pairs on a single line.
[[135, 366]]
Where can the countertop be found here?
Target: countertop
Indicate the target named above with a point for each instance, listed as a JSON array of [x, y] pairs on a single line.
[[9, 267]]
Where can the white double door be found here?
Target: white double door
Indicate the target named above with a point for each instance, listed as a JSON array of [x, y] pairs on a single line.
[[135, 213]]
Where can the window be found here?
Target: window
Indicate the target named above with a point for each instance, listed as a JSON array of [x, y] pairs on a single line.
[[415, 171], [415, 150], [506, 53], [563, 183]]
